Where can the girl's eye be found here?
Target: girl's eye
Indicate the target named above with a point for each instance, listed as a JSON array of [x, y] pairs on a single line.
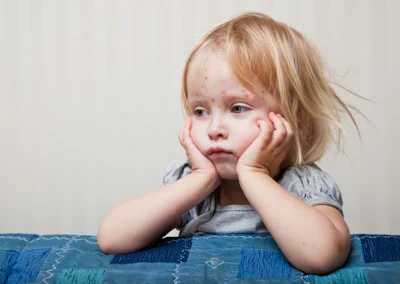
[[239, 109], [200, 112]]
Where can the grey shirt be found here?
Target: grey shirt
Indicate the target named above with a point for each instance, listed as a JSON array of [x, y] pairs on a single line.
[[306, 182]]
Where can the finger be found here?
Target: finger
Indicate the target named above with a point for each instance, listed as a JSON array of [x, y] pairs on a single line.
[[283, 148], [180, 136], [183, 131], [270, 125], [266, 130], [186, 130], [187, 138], [289, 130], [280, 132]]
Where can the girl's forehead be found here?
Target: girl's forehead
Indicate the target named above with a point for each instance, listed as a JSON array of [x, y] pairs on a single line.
[[211, 69], [211, 74], [209, 62]]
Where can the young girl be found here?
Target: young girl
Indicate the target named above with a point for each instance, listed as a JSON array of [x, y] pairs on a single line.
[[261, 112]]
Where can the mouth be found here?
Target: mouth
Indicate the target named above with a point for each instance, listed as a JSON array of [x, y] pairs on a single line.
[[218, 152]]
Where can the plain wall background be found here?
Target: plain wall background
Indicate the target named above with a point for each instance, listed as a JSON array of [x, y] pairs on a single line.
[[90, 102]]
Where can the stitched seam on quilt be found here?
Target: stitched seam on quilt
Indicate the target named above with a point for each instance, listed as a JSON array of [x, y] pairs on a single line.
[[304, 277], [57, 238], [52, 238], [13, 238], [178, 264], [64, 238], [175, 274], [18, 238], [237, 237], [373, 237], [63, 250]]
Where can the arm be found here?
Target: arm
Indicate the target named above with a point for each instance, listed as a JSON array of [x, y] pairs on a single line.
[[141, 221], [313, 239]]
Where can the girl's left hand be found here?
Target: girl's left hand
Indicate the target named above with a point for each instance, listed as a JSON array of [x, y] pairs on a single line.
[[269, 149]]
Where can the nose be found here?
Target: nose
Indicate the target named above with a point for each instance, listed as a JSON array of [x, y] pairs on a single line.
[[217, 130]]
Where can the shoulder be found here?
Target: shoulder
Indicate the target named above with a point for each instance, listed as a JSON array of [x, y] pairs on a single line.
[[176, 169], [312, 185], [307, 175]]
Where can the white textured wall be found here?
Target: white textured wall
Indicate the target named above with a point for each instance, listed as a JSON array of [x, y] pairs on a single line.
[[90, 111]]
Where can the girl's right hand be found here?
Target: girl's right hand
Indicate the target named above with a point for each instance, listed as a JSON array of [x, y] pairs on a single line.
[[199, 162]]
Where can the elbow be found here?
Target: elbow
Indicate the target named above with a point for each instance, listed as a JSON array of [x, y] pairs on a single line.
[[111, 243], [106, 243], [105, 240], [330, 258], [105, 248], [322, 267]]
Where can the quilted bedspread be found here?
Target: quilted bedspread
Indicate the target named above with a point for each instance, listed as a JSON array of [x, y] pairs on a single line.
[[231, 258]]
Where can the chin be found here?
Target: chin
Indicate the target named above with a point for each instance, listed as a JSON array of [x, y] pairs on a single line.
[[227, 172]]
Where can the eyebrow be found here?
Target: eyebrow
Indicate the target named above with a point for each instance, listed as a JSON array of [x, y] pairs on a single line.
[[226, 96], [245, 95], [194, 101]]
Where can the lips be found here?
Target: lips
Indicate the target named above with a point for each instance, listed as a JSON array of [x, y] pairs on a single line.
[[217, 151]]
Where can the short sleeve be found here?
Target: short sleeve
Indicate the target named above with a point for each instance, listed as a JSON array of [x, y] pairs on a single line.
[[176, 170], [313, 186]]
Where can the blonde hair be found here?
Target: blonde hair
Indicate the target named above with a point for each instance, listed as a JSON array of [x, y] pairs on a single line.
[[260, 49]]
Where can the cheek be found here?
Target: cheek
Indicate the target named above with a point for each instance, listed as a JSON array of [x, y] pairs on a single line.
[[247, 136], [198, 135]]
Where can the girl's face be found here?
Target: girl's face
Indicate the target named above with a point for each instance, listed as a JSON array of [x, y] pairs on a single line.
[[224, 111]]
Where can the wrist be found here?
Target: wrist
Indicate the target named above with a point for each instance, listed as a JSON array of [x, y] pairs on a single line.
[[211, 179], [248, 178], [248, 174], [244, 170]]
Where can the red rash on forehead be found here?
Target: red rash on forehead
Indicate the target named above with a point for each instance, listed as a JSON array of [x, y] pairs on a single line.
[[213, 100]]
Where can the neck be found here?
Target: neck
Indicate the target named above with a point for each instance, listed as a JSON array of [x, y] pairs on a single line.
[[230, 192]]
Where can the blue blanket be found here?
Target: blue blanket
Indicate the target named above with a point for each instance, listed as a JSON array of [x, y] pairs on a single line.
[[233, 258]]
